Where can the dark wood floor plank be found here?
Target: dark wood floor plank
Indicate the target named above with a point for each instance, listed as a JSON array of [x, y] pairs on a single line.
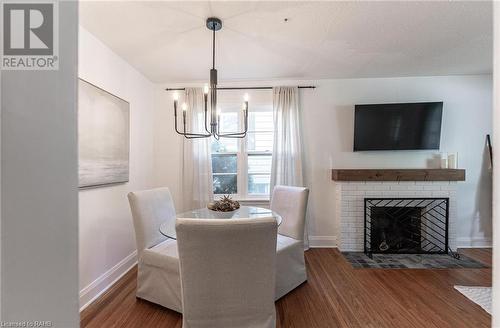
[[335, 295]]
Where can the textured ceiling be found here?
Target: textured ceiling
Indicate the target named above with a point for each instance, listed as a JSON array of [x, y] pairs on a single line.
[[168, 41]]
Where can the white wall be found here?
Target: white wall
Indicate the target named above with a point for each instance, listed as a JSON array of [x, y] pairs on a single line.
[[107, 242], [328, 124], [168, 147], [38, 190], [328, 121]]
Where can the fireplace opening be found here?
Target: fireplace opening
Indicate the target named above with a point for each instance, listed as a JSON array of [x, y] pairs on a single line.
[[396, 229], [406, 225]]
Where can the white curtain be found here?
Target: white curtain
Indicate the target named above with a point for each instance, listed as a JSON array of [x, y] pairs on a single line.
[[196, 162], [287, 151]]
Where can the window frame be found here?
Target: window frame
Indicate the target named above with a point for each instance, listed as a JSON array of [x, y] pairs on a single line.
[[242, 155]]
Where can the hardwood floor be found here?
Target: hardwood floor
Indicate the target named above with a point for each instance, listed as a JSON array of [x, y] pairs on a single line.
[[336, 295]]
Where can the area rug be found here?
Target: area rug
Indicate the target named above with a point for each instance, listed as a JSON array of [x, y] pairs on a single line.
[[479, 295], [360, 260]]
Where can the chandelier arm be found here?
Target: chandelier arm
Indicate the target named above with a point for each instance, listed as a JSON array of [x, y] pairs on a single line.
[[201, 135], [189, 135], [175, 118], [176, 130], [205, 96], [235, 136], [231, 134], [195, 136], [198, 135]]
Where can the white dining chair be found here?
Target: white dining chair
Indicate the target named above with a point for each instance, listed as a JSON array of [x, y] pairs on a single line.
[[227, 272], [291, 204], [158, 278]]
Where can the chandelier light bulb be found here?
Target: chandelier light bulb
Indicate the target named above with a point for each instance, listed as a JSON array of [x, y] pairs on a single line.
[[246, 97], [205, 89], [184, 107], [176, 96]]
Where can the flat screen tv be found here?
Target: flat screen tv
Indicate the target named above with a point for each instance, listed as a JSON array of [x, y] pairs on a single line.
[[404, 126]]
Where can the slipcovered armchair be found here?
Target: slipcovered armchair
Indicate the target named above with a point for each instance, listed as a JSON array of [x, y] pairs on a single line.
[[227, 272], [291, 204], [158, 278]]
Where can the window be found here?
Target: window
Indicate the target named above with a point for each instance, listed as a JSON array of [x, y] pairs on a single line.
[[242, 167]]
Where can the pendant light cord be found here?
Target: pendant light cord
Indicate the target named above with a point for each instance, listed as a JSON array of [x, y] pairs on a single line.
[[213, 49]]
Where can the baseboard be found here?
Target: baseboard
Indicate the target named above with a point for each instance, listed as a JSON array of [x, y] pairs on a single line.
[[466, 242], [101, 284], [322, 241]]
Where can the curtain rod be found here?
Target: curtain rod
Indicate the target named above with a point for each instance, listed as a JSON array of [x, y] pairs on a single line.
[[244, 88]]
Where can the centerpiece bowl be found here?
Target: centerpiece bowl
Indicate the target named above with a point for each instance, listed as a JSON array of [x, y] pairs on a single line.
[[225, 205]]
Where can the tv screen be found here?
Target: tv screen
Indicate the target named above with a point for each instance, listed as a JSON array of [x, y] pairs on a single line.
[[405, 126]]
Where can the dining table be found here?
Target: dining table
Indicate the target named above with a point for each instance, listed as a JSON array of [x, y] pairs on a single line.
[[244, 212]]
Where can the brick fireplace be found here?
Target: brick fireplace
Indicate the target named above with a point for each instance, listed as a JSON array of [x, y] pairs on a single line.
[[350, 200]]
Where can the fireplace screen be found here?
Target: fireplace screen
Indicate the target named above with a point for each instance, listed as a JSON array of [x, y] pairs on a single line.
[[406, 225]]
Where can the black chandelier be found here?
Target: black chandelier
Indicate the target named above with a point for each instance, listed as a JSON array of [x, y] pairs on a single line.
[[214, 24]]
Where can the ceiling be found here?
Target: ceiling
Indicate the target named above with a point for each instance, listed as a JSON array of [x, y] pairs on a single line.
[[168, 41]]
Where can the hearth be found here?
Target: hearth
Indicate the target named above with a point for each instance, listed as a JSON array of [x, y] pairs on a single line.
[[406, 225]]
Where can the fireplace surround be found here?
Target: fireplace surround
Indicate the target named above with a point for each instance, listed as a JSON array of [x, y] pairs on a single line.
[[352, 186], [349, 206]]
